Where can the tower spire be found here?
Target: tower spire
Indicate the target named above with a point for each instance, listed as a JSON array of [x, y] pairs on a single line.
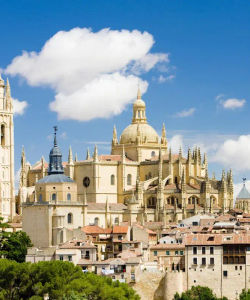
[[114, 140], [163, 135], [95, 155], [88, 155], [55, 158], [70, 156]]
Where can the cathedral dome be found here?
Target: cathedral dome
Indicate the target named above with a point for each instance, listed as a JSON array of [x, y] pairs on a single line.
[[146, 132]]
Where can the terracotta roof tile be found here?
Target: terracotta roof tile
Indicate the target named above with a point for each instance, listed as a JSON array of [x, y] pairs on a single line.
[[120, 229]]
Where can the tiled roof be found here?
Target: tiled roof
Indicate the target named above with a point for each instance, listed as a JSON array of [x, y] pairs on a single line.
[[120, 229], [74, 245], [167, 246], [89, 229], [216, 239]]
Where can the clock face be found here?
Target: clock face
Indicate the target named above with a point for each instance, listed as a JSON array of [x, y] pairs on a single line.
[[86, 181]]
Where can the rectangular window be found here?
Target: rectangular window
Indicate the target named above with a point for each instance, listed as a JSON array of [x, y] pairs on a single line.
[[167, 252], [225, 273], [155, 253], [236, 268], [203, 261], [195, 260], [176, 252], [203, 250], [70, 257], [211, 261], [181, 252], [194, 250], [211, 250], [61, 257]]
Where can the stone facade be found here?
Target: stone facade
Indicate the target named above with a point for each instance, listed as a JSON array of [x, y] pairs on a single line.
[[7, 188]]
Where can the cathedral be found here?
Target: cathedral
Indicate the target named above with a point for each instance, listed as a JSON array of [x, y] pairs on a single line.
[[7, 188], [140, 181]]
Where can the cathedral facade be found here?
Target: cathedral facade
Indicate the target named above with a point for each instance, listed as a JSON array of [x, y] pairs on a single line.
[[141, 180], [7, 189]]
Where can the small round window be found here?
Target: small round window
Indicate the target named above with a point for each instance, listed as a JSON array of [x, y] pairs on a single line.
[[86, 181]]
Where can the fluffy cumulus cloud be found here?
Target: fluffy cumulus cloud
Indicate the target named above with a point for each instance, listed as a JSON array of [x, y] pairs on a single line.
[[19, 107], [185, 113], [234, 153], [230, 103], [94, 74]]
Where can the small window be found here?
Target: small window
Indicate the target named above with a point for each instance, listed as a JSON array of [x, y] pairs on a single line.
[[225, 273], [112, 179], [195, 260], [117, 221], [167, 252], [53, 197], [119, 237], [194, 250], [240, 267], [176, 252], [61, 237], [70, 257], [203, 261], [155, 253], [203, 250], [2, 135], [236, 268], [96, 221], [181, 252], [153, 153], [211, 250], [129, 179], [70, 218], [61, 257], [211, 260], [69, 197], [40, 197]]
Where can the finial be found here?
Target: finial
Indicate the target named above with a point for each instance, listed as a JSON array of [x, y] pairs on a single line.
[[95, 155], [70, 156], [163, 132], [189, 154], [244, 180], [88, 155], [55, 130], [180, 152], [76, 159], [138, 92]]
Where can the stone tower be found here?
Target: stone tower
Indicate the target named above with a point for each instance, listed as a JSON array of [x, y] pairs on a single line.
[[7, 188]]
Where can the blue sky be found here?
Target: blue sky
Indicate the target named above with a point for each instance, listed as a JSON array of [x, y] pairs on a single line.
[[200, 89]]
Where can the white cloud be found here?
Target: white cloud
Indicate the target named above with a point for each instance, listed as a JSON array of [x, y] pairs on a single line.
[[94, 74], [162, 79], [230, 103], [175, 143], [233, 103], [234, 153], [19, 106], [185, 113]]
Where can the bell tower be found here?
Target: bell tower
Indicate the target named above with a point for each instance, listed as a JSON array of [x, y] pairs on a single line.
[[7, 188]]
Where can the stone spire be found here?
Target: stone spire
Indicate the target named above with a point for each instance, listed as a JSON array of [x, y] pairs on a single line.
[[8, 96], [199, 155], [170, 154], [76, 159], [70, 156], [206, 174], [95, 155], [205, 159], [163, 135], [55, 158], [189, 157], [22, 181], [114, 140], [180, 153], [43, 166], [88, 155], [2, 86]]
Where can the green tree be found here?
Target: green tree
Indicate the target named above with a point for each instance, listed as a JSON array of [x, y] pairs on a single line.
[[245, 295], [13, 245], [198, 293], [60, 280]]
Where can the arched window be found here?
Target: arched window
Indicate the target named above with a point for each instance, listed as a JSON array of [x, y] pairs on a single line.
[[193, 200], [2, 135], [70, 218], [96, 221], [175, 180], [117, 221], [129, 179], [112, 179], [40, 197], [53, 197], [69, 197], [152, 202], [212, 200], [153, 154]]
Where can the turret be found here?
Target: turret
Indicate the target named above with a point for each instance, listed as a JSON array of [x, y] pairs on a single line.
[[8, 96], [114, 140], [55, 158], [139, 110]]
